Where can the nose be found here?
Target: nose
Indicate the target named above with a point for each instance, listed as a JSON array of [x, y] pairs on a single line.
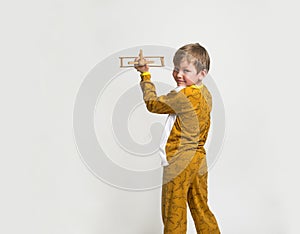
[[179, 74]]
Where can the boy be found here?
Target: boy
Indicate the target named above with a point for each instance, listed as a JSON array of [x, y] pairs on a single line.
[[184, 156]]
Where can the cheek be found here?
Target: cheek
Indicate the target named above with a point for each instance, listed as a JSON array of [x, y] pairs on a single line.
[[175, 74], [194, 78], [190, 79]]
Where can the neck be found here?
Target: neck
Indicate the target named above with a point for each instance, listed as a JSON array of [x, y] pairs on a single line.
[[199, 83]]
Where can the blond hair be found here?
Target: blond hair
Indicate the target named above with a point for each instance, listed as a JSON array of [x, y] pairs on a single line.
[[193, 53]]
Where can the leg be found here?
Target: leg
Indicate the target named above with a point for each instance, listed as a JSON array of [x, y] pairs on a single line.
[[177, 179], [174, 196], [204, 219]]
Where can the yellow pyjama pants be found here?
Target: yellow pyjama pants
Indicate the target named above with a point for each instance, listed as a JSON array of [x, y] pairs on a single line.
[[188, 187]]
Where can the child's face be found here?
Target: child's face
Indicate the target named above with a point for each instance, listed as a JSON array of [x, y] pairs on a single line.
[[186, 74]]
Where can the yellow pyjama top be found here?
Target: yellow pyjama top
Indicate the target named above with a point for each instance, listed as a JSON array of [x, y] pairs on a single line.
[[192, 106]]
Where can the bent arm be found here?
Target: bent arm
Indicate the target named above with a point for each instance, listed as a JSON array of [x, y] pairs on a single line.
[[165, 104]]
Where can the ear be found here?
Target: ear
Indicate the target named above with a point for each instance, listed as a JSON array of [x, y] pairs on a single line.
[[202, 74]]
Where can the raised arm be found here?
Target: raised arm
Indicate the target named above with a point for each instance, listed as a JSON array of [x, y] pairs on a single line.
[[163, 104], [172, 103]]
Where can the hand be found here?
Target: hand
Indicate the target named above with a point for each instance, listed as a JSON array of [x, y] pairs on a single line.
[[144, 68]]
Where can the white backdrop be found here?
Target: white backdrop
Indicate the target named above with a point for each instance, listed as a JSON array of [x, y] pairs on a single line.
[[47, 49]]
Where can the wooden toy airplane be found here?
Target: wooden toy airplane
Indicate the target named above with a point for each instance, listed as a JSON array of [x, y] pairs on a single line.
[[142, 61]]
